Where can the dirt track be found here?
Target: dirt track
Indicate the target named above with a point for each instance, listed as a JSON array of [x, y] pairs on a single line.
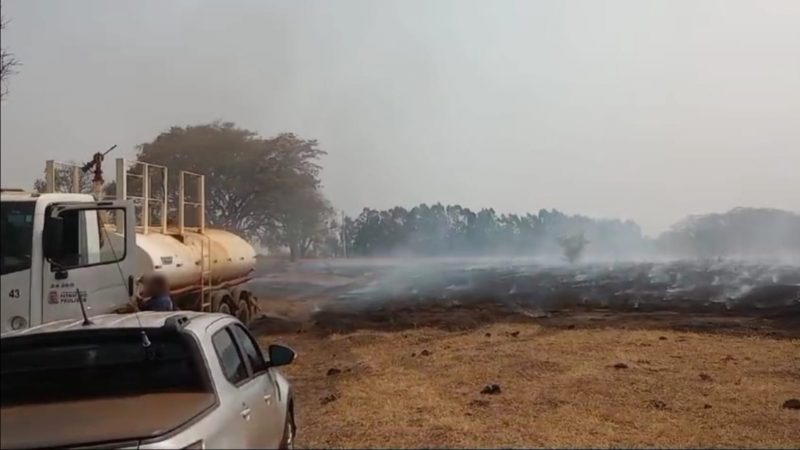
[[409, 373]]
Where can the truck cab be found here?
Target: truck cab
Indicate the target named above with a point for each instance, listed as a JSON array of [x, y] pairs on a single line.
[[59, 250]]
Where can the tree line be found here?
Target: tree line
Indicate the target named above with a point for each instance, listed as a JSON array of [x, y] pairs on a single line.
[[454, 230], [269, 191], [740, 232]]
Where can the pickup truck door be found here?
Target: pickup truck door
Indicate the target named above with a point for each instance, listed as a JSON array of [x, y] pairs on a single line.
[[268, 413], [234, 386], [95, 256]]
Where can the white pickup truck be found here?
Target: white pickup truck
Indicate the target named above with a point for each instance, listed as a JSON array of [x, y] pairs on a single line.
[[146, 380]]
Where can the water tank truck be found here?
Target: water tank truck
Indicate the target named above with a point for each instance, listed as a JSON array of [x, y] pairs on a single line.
[[60, 248]]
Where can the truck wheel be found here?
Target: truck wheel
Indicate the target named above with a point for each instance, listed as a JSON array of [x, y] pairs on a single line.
[[255, 310], [224, 308], [243, 310], [218, 300]]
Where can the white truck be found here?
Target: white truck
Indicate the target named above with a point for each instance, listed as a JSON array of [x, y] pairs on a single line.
[[59, 248]]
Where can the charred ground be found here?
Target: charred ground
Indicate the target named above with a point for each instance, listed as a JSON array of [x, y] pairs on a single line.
[[669, 354]]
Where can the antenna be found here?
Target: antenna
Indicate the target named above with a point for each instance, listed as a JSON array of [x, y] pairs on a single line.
[[86, 321], [145, 339]]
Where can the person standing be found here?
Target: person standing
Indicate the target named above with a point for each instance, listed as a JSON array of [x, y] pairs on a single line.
[[157, 288]]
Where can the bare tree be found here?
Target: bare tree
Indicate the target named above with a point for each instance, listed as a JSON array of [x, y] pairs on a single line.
[[7, 63], [573, 246]]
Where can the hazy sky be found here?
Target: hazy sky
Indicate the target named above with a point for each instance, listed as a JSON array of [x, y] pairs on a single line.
[[647, 110]]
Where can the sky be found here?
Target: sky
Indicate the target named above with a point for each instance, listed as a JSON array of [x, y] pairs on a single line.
[[643, 110]]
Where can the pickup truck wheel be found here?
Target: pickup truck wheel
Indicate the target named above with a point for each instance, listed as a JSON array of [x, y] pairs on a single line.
[[288, 431]]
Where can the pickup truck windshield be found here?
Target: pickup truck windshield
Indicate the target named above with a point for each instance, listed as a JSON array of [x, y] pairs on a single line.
[[16, 226], [84, 365]]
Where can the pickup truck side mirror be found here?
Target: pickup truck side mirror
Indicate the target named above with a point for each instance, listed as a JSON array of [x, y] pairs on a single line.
[[52, 236], [280, 355]]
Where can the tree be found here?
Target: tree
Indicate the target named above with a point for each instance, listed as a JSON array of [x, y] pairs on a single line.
[[304, 219], [8, 63], [250, 181], [573, 246]]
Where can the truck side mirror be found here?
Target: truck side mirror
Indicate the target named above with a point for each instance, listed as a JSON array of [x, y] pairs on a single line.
[[52, 245]]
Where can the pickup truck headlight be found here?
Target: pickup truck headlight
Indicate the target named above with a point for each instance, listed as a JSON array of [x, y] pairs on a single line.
[[199, 445]]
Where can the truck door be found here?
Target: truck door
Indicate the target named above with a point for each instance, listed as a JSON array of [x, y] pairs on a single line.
[[89, 251], [16, 225]]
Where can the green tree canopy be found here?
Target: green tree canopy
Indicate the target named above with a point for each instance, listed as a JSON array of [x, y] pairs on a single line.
[[252, 183], [246, 175]]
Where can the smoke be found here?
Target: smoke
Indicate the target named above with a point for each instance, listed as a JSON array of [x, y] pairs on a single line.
[[614, 109], [527, 284]]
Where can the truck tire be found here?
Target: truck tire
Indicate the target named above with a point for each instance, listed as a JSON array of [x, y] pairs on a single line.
[[223, 303], [217, 298], [240, 295], [224, 308], [243, 308]]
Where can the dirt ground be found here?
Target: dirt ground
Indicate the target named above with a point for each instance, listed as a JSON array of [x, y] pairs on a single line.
[[578, 383], [411, 376]]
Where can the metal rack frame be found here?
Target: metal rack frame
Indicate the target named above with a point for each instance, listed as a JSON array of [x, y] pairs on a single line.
[[200, 205], [123, 172], [50, 176]]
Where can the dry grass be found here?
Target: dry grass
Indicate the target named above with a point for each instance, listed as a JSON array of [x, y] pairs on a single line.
[[559, 388]]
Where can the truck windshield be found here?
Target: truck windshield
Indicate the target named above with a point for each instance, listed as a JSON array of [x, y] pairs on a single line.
[[80, 365], [16, 226]]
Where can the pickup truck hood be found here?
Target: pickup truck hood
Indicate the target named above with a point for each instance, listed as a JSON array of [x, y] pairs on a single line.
[[98, 421]]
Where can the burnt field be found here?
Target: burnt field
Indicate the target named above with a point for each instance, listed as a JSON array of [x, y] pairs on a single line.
[[405, 353], [393, 293]]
